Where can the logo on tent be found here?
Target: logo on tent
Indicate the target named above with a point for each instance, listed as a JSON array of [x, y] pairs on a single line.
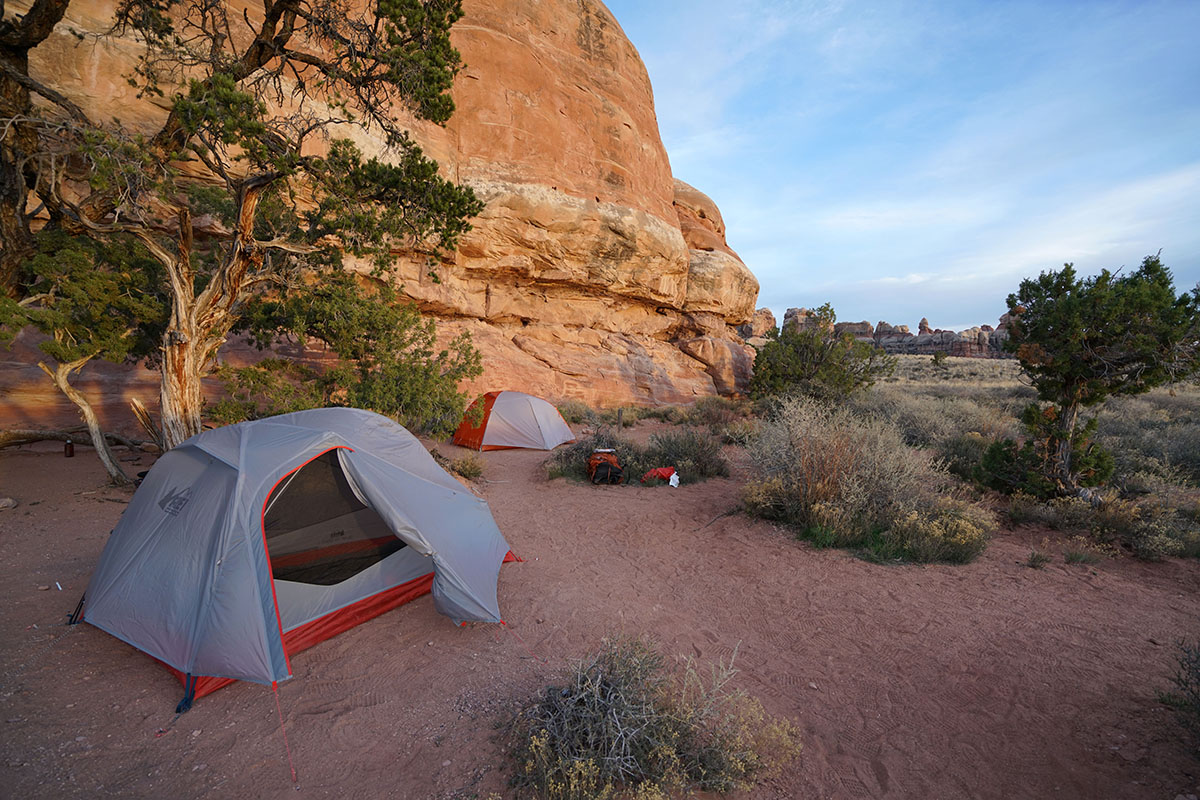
[[174, 502]]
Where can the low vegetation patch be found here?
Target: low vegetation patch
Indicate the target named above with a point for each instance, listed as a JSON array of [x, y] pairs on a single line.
[[1038, 559], [842, 480], [1184, 699], [1150, 528], [469, 466], [624, 723], [694, 454], [1079, 550]]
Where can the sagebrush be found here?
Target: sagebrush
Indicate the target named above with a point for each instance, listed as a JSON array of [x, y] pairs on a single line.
[[848, 481], [625, 723]]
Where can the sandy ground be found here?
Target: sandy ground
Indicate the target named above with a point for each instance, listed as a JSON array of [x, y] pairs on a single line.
[[990, 680]]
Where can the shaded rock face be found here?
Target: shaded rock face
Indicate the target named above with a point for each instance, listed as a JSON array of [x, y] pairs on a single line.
[[591, 273]]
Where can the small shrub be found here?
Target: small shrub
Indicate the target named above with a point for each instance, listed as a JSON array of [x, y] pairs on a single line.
[[1152, 531], [952, 532], [716, 411], [571, 461], [576, 412], [1037, 559], [469, 466], [624, 723], [1027, 467], [695, 455], [1010, 468], [1024, 509], [1185, 699]]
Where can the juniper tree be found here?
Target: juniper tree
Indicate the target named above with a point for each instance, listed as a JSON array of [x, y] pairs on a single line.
[[253, 102], [816, 361], [1082, 340]]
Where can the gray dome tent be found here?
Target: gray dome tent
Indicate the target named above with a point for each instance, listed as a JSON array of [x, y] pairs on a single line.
[[248, 543]]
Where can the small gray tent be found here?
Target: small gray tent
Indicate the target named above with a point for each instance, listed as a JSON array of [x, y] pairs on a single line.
[[248, 543]]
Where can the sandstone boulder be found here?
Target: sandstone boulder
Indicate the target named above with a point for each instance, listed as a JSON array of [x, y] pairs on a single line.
[[759, 325], [859, 330], [800, 319]]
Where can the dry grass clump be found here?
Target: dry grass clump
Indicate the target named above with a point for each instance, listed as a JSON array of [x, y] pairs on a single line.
[[469, 466], [625, 724], [694, 454], [1082, 550], [845, 481]]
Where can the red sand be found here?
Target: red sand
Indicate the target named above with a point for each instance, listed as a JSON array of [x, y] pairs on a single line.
[[990, 680]]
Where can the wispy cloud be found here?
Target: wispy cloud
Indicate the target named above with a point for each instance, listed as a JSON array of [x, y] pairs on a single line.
[[921, 158]]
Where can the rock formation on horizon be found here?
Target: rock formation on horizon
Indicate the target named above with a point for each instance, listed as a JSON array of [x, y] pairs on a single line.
[[592, 272], [978, 342]]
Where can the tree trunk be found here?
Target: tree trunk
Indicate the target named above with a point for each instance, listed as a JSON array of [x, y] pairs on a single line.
[[1063, 470], [18, 35], [180, 395], [200, 323], [17, 141], [59, 375]]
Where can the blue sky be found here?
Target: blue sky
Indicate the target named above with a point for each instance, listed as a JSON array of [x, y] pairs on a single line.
[[910, 159]]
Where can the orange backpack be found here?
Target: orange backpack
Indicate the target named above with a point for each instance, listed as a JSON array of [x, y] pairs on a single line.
[[603, 467]]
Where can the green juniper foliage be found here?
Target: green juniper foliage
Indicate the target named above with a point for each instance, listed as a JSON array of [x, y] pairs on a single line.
[[817, 362], [1082, 340], [388, 358], [94, 299]]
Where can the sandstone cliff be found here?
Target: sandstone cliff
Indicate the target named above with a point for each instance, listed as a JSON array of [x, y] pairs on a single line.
[[592, 273]]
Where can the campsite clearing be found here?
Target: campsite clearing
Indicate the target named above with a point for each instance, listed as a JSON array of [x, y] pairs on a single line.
[[987, 680]]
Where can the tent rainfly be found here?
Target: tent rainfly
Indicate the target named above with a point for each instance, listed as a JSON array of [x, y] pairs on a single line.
[[251, 542], [511, 420]]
